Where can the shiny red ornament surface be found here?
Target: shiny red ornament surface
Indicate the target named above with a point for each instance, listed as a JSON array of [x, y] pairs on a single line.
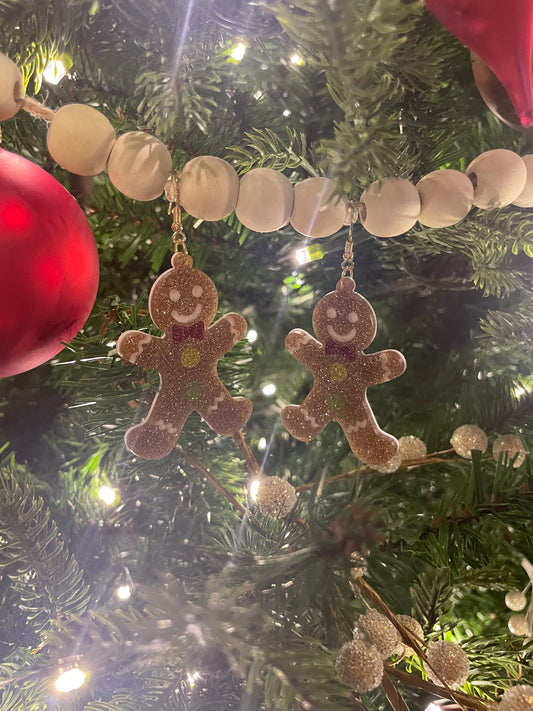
[[48, 266], [501, 33]]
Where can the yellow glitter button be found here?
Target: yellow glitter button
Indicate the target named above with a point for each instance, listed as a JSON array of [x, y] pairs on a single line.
[[193, 390], [338, 372], [190, 357], [336, 402]]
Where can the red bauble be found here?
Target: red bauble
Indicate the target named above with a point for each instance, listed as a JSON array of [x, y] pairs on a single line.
[[48, 266], [501, 33]]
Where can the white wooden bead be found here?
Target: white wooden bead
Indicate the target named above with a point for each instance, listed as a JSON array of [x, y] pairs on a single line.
[[391, 207], [265, 200], [446, 196], [80, 139], [11, 88], [499, 176], [525, 199], [139, 165], [315, 213], [209, 188]]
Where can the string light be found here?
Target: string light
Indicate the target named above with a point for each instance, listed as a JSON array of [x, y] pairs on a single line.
[[268, 389], [57, 69], [297, 59], [310, 253], [124, 592], [238, 52], [251, 336], [253, 488], [70, 680], [193, 678], [107, 495], [262, 444]]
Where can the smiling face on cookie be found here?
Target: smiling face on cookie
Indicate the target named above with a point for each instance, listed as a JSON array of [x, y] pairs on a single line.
[[343, 316], [182, 296]]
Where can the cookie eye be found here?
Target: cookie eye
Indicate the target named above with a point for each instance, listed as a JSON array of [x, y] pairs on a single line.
[[174, 295], [331, 313], [353, 317], [197, 291]]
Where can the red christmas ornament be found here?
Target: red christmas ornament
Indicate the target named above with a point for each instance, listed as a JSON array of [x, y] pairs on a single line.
[[501, 33], [48, 266]]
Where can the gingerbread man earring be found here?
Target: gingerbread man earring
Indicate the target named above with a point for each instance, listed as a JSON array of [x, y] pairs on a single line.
[[183, 303], [345, 324]]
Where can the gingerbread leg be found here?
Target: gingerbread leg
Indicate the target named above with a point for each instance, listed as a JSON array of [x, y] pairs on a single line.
[[157, 436], [368, 441], [307, 420], [225, 414]]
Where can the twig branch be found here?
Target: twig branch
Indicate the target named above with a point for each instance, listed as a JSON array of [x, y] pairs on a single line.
[[251, 462], [434, 458]]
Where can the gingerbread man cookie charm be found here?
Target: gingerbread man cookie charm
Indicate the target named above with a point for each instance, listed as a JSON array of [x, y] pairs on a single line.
[[345, 325], [183, 303]]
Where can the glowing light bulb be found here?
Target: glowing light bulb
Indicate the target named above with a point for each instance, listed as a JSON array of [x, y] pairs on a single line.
[[57, 68], [251, 336], [268, 389], [262, 444], [433, 707], [311, 253], [70, 680], [238, 52], [286, 113], [107, 494], [193, 678], [253, 488], [297, 59], [124, 592]]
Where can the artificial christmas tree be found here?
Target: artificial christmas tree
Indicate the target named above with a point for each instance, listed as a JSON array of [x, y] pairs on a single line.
[[134, 584]]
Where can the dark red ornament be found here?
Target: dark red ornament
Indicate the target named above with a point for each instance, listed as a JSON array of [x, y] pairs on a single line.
[[48, 266], [501, 33]]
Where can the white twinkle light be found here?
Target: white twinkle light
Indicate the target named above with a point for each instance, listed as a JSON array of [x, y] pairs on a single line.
[[193, 678], [70, 680], [268, 389], [54, 71], [262, 444], [124, 592], [253, 487], [251, 336], [107, 494], [433, 707], [287, 113], [238, 52], [297, 59]]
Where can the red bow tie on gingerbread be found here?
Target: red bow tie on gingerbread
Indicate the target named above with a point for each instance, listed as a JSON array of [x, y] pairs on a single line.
[[345, 324]]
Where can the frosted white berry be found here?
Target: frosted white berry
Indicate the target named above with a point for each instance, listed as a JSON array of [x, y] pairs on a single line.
[[469, 437], [519, 625], [515, 600], [392, 465], [517, 698], [413, 626], [509, 446], [275, 497], [411, 447], [448, 662], [379, 631], [359, 666]]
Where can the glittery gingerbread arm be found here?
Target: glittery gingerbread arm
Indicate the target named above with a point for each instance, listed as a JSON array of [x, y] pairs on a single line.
[[226, 333], [383, 366], [140, 348], [303, 347]]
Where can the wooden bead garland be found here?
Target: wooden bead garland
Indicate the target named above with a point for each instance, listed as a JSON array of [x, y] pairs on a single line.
[[139, 165], [83, 141], [80, 139], [11, 88]]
